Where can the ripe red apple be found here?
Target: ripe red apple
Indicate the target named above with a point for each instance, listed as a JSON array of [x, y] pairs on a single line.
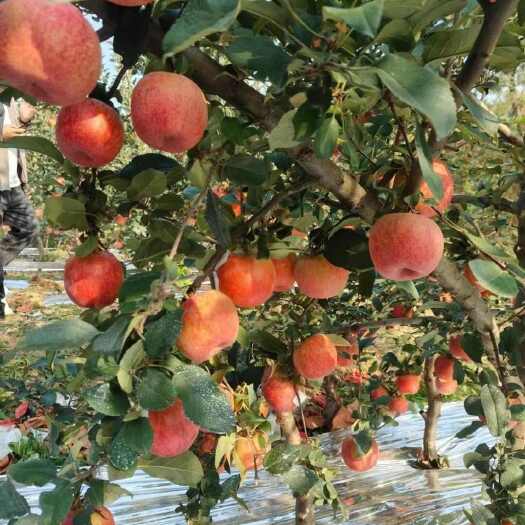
[[444, 368], [121, 220], [69, 518], [93, 281], [130, 3], [446, 386], [400, 311], [318, 278], [405, 246], [424, 207], [169, 111], [378, 393], [247, 281], [49, 50], [90, 133], [209, 324], [408, 383], [398, 405], [284, 273], [455, 348], [102, 516], [279, 392], [173, 432], [315, 357], [354, 461]]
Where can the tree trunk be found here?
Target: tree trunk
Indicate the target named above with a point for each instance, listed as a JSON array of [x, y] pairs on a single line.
[[430, 450], [304, 509]]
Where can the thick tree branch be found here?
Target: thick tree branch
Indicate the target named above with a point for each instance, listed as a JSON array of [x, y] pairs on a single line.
[[430, 448], [496, 14]]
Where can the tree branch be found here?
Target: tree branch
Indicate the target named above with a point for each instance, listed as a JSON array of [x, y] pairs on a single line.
[[500, 204], [496, 14]]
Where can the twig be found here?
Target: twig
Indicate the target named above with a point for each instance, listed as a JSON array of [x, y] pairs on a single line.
[[116, 82], [401, 125]]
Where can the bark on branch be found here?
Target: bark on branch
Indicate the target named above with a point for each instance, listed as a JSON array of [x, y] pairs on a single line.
[[430, 449]]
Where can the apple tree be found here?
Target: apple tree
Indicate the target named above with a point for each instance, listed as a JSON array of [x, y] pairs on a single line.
[[304, 178]]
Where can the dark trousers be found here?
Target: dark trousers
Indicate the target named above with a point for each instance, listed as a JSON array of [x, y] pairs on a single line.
[[17, 213]]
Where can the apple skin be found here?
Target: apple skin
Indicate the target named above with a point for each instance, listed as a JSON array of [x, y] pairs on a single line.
[[378, 393], [247, 281], [279, 392], [408, 383], [250, 452], [102, 516], [405, 246], [444, 368], [169, 112], [284, 273], [455, 348], [353, 461], [49, 50], [345, 354], [398, 405], [90, 133], [315, 357], [442, 171], [93, 281], [319, 279], [446, 386], [210, 323], [173, 432]]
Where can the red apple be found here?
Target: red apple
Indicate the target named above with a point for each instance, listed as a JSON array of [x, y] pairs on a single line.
[[455, 348], [354, 461], [284, 273], [398, 405], [279, 392], [405, 246], [315, 357], [49, 50], [424, 207], [93, 281], [90, 133], [247, 281], [444, 368], [173, 432], [169, 111], [408, 383], [378, 393], [318, 278]]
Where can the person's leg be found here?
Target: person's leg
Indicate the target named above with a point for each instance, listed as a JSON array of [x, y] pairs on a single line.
[[18, 214], [4, 197]]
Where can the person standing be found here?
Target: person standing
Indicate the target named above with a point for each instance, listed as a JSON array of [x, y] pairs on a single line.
[[15, 209]]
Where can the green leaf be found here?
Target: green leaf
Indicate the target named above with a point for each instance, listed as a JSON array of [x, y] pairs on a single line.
[[473, 346], [204, 403], [160, 335], [112, 340], [364, 19], [107, 400], [469, 430], [137, 435], [102, 492], [137, 286], [433, 10], [217, 221], [245, 170], [300, 479], [185, 469], [56, 503], [397, 9], [424, 157], [485, 118], [495, 409], [260, 56], [122, 456], [155, 390], [449, 43], [517, 412], [146, 184], [283, 135], [326, 138], [521, 12], [66, 213], [131, 360], [409, 288], [12, 504], [72, 333], [199, 19], [422, 89], [36, 144], [513, 475], [87, 247], [33, 472], [473, 406], [348, 249], [493, 278], [282, 457]]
